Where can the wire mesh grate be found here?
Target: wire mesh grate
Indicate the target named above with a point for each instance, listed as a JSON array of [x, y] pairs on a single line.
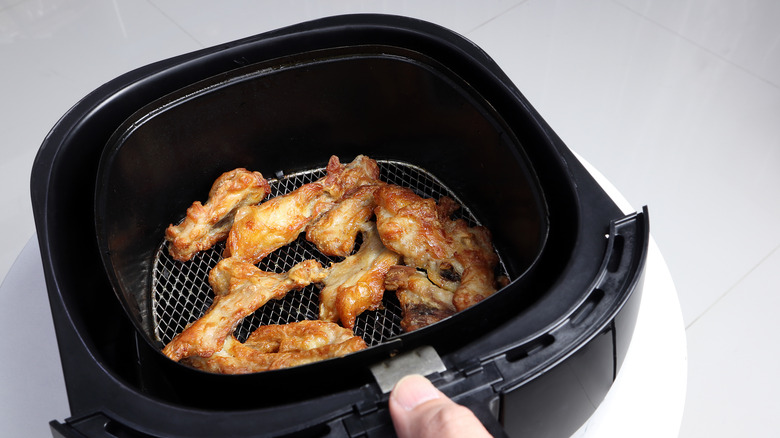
[[181, 292]]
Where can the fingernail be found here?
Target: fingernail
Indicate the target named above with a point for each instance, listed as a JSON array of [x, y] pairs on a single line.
[[414, 390]]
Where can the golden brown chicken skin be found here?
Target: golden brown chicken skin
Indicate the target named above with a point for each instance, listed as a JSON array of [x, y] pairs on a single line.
[[412, 226], [258, 230], [334, 232], [356, 284], [455, 256], [422, 302], [272, 347], [342, 179], [240, 288], [475, 261], [208, 224]]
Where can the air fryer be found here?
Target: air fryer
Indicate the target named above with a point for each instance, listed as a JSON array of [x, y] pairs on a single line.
[[534, 359]]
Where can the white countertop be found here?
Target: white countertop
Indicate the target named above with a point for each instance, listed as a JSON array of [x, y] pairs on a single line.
[[33, 387]]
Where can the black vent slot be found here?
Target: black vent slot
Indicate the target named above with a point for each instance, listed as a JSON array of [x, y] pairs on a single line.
[[617, 253], [530, 348], [587, 307]]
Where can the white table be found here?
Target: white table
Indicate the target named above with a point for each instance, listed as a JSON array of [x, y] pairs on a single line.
[[33, 388]]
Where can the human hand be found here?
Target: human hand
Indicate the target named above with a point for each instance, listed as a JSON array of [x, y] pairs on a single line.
[[419, 410]]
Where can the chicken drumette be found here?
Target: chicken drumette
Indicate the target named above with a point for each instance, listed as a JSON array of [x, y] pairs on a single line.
[[240, 288], [258, 230], [272, 347], [208, 224]]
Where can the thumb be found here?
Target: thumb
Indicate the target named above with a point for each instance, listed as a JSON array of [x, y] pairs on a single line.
[[419, 410]]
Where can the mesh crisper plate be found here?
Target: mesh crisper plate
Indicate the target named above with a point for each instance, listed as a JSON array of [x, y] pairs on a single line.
[[181, 292]]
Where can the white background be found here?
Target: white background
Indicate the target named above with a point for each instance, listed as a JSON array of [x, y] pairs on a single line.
[[676, 102]]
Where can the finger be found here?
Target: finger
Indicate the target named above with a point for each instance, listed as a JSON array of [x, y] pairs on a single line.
[[419, 410]]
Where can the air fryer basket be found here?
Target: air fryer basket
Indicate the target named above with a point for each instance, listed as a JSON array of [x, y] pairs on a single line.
[[128, 160], [404, 110]]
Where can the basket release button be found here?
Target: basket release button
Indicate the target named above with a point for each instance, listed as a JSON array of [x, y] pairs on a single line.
[[423, 360]]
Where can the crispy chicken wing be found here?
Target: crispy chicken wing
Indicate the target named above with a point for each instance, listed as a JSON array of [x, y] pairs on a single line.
[[343, 179], [208, 224], [356, 284], [297, 336], [260, 229], [455, 256], [334, 232], [240, 288], [422, 302], [475, 262], [412, 226], [279, 346]]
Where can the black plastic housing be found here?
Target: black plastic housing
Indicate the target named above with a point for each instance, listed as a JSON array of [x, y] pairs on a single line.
[[134, 153]]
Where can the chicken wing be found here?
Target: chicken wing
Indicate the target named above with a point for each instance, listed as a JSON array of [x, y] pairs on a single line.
[[356, 284], [343, 179], [208, 224], [240, 288], [272, 347], [412, 226], [475, 261], [455, 256], [422, 302], [258, 230], [334, 232]]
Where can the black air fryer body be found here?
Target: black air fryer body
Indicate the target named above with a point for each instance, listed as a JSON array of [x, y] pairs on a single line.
[[535, 359]]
